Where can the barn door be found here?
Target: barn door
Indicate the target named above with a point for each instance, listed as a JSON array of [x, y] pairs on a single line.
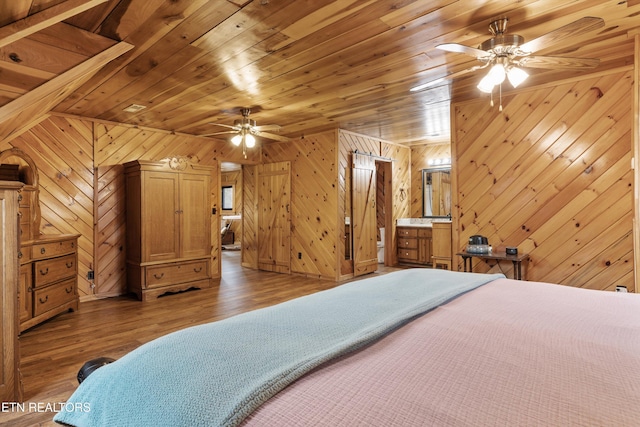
[[274, 220], [363, 214]]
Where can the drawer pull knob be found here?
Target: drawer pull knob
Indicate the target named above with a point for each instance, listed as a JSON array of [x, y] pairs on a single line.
[[45, 271], [20, 255], [43, 250], [197, 270], [158, 276], [69, 290], [29, 289], [69, 264], [42, 301]]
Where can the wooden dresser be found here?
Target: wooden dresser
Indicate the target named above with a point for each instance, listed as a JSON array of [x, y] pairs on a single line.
[[48, 274], [168, 226], [414, 245], [48, 278]]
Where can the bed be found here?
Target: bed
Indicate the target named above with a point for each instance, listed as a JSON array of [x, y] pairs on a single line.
[[413, 347]]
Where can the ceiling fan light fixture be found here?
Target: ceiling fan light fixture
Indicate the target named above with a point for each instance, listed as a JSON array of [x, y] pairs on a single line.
[[516, 76], [236, 140], [486, 84], [497, 74], [250, 140]]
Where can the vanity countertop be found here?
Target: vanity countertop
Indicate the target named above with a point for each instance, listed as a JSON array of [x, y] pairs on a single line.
[[419, 222]]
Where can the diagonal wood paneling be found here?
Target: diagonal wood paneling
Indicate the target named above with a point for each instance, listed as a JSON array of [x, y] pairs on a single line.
[[61, 150], [314, 195], [552, 175]]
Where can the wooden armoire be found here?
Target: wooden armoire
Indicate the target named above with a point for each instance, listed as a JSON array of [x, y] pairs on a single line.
[[169, 210]]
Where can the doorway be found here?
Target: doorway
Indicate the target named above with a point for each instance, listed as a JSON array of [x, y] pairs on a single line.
[[231, 211]]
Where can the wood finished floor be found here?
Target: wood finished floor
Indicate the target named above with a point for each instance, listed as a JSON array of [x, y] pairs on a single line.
[[53, 352]]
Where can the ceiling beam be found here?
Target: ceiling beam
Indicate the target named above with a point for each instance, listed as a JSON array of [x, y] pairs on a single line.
[[38, 21], [40, 100]]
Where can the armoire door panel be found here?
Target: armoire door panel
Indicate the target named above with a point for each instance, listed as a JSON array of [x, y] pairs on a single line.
[[195, 195], [162, 216]]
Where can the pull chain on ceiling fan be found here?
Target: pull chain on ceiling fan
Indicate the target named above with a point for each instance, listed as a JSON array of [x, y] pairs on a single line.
[[507, 54]]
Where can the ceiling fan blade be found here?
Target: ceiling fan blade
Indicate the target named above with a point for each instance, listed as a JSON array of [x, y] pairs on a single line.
[[576, 28], [557, 62], [448, 77], [226, 126], [467, 50], [219, 133], [267, 127], [272, 136]]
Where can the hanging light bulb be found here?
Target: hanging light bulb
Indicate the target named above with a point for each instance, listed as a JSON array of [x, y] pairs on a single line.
[[497, 74], [516, 76], [250, 140], [236, 140], [486, 85]]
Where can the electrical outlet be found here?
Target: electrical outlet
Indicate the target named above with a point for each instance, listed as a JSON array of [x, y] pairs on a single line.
[[90, 275]]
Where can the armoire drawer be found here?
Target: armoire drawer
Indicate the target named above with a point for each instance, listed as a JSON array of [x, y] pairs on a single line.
[[42, 250], [168, 274], [50, 297], [52, 270]]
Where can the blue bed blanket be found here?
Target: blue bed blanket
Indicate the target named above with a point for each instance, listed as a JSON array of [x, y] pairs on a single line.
[[218, 373]]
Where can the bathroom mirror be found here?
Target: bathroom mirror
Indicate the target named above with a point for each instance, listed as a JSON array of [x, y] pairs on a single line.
[[436, 193]]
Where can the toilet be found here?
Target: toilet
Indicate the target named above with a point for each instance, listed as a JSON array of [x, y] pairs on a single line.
[[380, 246]]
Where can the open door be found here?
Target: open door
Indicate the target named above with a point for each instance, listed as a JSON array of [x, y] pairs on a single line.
[[363, 214], [274, 219]]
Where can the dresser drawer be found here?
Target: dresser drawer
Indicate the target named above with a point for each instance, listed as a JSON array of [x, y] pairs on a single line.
[[410, 255], [407, 232], [50, 297], [168, 274], [407, 243], [42, 250], [52, 270]]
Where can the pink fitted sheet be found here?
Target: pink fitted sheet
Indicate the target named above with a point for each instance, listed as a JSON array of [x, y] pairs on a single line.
[[509, 353]]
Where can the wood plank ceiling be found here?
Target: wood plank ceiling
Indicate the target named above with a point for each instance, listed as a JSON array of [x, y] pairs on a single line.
[[305, 65]]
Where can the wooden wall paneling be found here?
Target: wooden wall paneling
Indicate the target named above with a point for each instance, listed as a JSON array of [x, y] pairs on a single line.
[[58, 149], [546, 183], [510, 165], [420, 156], [314, 202], [400, 194], [110, 261]]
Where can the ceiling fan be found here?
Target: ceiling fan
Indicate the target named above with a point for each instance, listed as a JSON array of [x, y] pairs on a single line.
[[246, 130], [506, 54]]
